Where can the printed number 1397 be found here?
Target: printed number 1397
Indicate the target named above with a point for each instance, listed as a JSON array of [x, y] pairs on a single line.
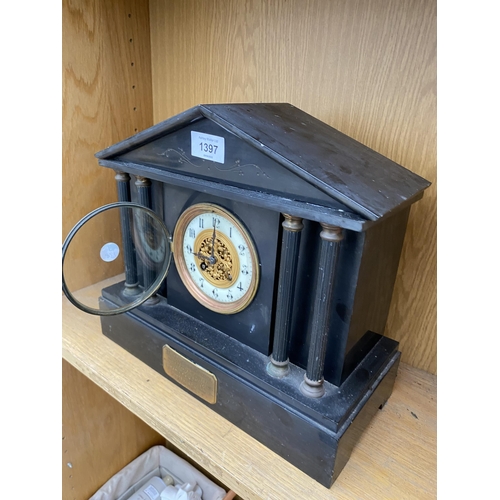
[[208, 148]]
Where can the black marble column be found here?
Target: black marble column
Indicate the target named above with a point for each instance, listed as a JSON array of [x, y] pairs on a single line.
[[331, 236], [292, 227], [144, 198], [129, 257]]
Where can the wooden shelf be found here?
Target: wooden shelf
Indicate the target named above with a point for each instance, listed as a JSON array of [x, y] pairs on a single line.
[[395, 458]]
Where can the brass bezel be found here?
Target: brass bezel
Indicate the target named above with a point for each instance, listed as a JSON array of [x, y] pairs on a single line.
[[180, 228]]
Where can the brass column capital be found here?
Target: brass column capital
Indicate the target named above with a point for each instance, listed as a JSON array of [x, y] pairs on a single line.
[[142, 181], [331, 233], [292, 223], [121, 176]]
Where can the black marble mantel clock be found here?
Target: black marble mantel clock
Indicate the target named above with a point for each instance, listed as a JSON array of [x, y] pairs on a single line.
[[286, 236]]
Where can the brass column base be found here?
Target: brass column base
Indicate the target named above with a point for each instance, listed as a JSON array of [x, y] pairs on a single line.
[[312, 389], [277, 369]]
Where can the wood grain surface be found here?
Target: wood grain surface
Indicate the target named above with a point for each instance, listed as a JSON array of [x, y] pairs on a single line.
[[395, 458], [100, 436], [366, 67], [106, 98]]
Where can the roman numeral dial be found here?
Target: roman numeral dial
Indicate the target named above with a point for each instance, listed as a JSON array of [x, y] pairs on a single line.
[[216, 258]]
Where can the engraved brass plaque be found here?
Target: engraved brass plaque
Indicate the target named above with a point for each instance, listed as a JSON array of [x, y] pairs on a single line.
[[190, 375]]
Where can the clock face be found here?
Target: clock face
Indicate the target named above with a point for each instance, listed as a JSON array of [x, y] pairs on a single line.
[[216, 258]]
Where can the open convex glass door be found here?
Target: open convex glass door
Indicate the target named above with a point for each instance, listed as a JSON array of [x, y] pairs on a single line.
[[124, 245]]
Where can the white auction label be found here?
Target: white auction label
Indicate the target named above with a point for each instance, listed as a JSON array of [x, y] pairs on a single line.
[[207, 146], [109, 252]]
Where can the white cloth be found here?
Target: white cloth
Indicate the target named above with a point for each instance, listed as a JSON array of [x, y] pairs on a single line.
[[185, 491], [158, 461]]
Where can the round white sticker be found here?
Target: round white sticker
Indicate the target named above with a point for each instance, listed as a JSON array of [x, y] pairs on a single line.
[[109, 252]]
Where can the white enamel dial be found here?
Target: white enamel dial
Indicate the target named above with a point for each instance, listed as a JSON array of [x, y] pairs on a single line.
[[216, 258]]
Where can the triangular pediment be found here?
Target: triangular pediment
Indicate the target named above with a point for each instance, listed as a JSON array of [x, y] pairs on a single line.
[[276, 149]]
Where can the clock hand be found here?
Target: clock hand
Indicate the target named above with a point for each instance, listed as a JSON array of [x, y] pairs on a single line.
[[213, 245], [211, 260], [201, 256]]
